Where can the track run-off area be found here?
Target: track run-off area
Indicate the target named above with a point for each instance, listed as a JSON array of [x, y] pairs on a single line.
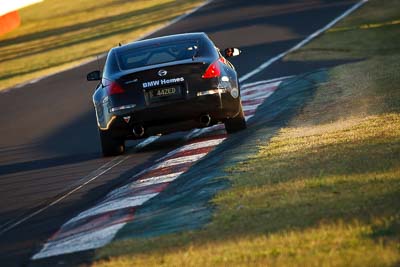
[[61, 197]]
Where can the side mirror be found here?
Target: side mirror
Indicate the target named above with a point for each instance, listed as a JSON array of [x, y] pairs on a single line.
[[94, 76], [232, 52]]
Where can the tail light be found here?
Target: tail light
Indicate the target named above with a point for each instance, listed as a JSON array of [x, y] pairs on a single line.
[[114, 88], [213, 71]]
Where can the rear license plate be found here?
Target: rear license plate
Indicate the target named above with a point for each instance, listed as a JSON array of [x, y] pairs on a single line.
[[166, 93], [162, 92]]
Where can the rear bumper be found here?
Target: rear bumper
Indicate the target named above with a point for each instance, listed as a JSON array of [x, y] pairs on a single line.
[[175, 116]]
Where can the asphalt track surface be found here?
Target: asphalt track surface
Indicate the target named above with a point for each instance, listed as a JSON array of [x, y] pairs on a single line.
[[49, 143]]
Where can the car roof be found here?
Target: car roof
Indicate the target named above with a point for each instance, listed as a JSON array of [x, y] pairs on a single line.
[[163, 39]]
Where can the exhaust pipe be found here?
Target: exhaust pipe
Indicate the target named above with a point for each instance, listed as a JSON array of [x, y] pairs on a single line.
[[138, 130], [205, 120]]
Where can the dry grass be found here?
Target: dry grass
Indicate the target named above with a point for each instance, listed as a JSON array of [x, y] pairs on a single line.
[[351, 39], [324, 245], [55, 35]]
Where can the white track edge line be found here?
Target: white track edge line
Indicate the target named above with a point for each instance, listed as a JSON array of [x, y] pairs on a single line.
[[302, 43], [54, 202], [94, 177]]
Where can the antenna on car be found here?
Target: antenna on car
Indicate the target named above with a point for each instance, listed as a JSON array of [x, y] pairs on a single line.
[[98, 62], [99, 66]]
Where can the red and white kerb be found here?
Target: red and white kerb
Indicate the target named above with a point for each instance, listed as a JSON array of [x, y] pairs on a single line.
[[97, 226]]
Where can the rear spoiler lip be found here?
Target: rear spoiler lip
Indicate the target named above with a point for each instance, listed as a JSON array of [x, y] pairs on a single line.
[[201, 60]]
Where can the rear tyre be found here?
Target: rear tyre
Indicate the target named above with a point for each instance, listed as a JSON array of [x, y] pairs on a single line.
[[111, 146], [237, 123]]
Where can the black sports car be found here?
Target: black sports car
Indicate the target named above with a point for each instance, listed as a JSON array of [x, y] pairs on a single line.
[[163, 85]]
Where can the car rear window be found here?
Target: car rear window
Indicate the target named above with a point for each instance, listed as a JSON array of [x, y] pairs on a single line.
[[159, 53]]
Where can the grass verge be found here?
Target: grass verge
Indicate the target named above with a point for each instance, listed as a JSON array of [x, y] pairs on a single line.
[[55, 35], [325, 191]]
